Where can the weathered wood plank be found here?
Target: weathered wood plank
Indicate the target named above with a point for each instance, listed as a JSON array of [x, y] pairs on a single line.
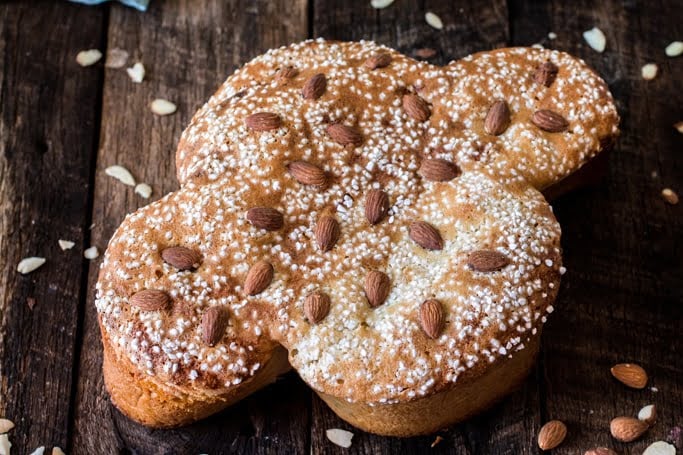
[[468, 27], [188, 49], [48, 131], [621, 299]]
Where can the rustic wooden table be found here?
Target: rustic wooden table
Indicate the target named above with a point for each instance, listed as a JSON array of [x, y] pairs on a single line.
[[61, 125]]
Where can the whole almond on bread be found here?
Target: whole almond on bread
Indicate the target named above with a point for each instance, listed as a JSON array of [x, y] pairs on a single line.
[[344, 135], [150, 300], [416, 107], [425, 235], [550, 121], [487, 261], [376, 206], [438, 170], [214, 323], [497, 119], [326, 233], [314, 87], [307, 173], [432, 318], [181, 257], [265, 218], [316, 307], [377, 286], [259, 277], [263, 121]]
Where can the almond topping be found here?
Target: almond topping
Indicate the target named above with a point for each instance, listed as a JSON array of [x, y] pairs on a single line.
[[432, 318], [549, 121], [150, 300], [265, 218], [426, 235], [214, 323], [344, 135], [259, 277], [551, 435], [263, 121], [627, 429], [326, 233], [376, 206], [630, 374], [314, 87], [380, 60], [377, 287], [487, 261], [546, 73], [416, 107], [286, 72], [438, 170], [307, 173], [181, 257], [316, 307], [498, 118]]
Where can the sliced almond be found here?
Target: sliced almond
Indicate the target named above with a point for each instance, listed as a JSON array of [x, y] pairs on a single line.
[[88, 57], [438, 170], [497, 119], [552, 434], [377, 287], [648, 414], [91, 253], [376, 206], [263, 121], [57, 451], [307, 173], [65, 244], [39, 451], [181, 257], [326, 233], [595, 39], [425, 235], [630, 374], [432, 318], [121, 174], [627, 429], [433, 20], [265, 218], [649, 71], [674, 49], [162, 107], [546, 73], [344, 135], [660, 448], [600, 451], [259, 277], [314, 87], [550, 121], [670, 196], [379, 60], [214, 323], [144, 190], [416, 107], [5, 445], [5, 425], [150, 300], [342, 438], [136, 72], [316, 307], [487, 261], [28, 265]]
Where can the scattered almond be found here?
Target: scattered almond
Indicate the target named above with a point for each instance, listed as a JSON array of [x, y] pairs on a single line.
[[344, 135], [263, 121], [342, 438], [437, 440], [546, 73], [65, 244], [286, 72], [136, 72], [89, 57], [595, 39], [425, 235], [326, 233], [143, 190], [162, 107], [438, 170], [550, 121], [265, 218], [552, 434], [425, 53], [181, 257], [627, 429], [487, 261], [150, 300], [377, 287], [376, 206], [316, 307], [660, 448], [314, 87], [307, 173], [259, 277], [674, 49], [433, 20], [670, 196], [630, 374], [497, 119], [648, 414], [91, 253], [416, 107], [28, 265], [432, 318], [649, 71], [5, 425], [116, 58], [679, 127], [600, 451], [214, 323], [380, 60], [121, 174]]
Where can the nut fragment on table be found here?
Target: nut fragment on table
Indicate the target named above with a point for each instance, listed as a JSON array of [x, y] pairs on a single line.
[[670, 196], [434, 20], [595, 39], [136, 72], [649, 71], [116, 58], [162, 107], [88, 57], [342, 438], [674, 49], [28, 265], [121, 174]]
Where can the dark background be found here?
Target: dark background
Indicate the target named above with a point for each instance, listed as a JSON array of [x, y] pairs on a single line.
[[61, 125]]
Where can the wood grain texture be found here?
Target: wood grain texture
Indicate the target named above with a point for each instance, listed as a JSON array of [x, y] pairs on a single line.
[[188, 50], [48, 107], [621, 298]]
